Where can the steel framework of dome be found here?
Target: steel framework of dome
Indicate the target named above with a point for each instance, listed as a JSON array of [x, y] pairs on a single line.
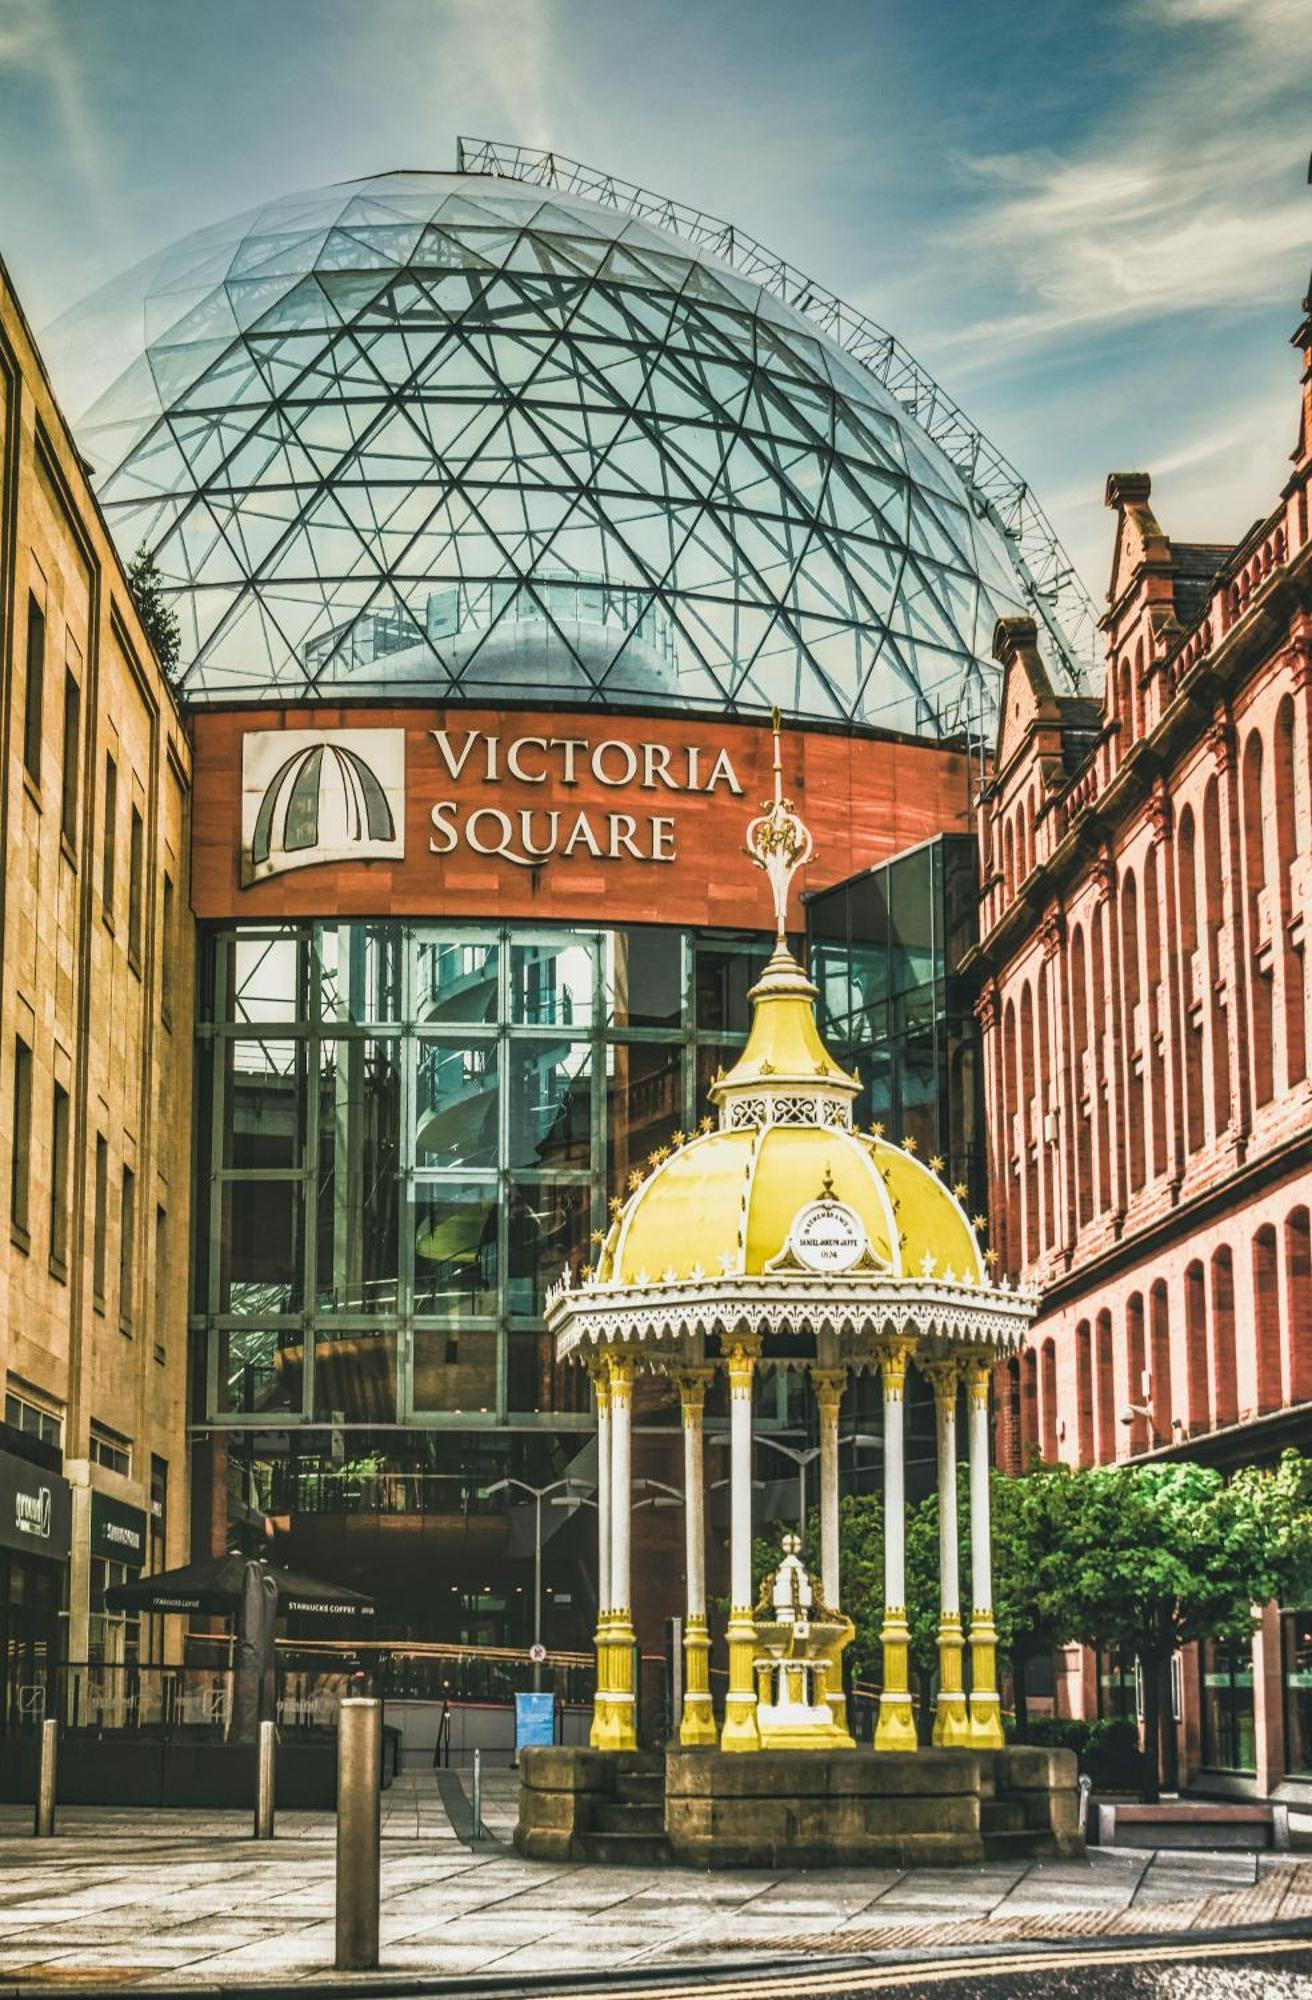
[[523, 432]]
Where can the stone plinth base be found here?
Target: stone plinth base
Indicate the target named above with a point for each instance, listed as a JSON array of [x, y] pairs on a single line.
[[797, 1808]]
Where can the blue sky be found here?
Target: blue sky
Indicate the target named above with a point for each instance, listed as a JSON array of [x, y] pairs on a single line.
[[1089, 218]]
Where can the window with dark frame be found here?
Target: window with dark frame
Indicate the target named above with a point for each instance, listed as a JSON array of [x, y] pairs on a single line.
[[166, 952], [161, 1282], [72, 757], [34, 693], [100, 1223], [136, 847], [59, 1122], [111, 1449], [21, 1156], [109, 851], [127, 1249]]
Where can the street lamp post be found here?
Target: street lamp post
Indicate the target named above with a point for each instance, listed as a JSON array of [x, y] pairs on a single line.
[[539, 1494]]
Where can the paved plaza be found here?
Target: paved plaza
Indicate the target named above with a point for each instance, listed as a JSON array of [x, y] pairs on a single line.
[[189, 1898]]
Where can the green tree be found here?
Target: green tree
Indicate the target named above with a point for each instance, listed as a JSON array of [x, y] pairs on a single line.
[[160, 622], [1156, 1556]]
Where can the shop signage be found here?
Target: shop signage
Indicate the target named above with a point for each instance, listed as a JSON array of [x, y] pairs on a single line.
[[319, 795], [36, 1510], [828, 1236], [528, 835], [311, 795], [118, 1532]]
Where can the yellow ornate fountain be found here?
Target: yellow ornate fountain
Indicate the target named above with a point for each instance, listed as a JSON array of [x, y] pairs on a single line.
[[799, 1672]]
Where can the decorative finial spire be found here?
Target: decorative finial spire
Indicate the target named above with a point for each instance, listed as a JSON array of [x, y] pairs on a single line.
[[778, 840]]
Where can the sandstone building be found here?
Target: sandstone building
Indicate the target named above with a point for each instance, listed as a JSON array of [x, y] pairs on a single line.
[[95, 1061]]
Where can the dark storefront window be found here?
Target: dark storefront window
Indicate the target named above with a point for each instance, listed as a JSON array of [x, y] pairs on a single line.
[[407, 1132], [1229, 1741], [885, 948], [1298, 1690]]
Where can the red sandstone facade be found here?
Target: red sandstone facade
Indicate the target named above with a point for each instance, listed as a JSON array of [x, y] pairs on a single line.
[[1147, 1014]]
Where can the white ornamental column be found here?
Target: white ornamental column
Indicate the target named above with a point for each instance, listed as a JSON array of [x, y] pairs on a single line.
[[697, 1723], [896, 1727], [740, 1731], [600, 1373], [985, 1706], [951, 1723], [828, 1385], [619, 1727]]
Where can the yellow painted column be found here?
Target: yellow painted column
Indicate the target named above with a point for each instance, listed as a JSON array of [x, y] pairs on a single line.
[[985, 1706], [615, 1717], [740, 1731], [896, 1727], [951, 1722], [600, 1373], [697, 1722]]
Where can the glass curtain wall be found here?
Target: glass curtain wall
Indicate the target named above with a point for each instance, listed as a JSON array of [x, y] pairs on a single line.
[[885, 948], [408, 1130]]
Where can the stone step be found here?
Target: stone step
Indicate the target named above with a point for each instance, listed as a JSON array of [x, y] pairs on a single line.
[[1001, 1816], [641, 1787], [1018, 1844], [625, 1850], [629, 1816]]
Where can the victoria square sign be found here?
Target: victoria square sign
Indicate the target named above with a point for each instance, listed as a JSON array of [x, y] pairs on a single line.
[[374, 810]]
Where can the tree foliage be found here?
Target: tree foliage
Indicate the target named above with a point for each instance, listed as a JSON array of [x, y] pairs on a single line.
[[160, 622]]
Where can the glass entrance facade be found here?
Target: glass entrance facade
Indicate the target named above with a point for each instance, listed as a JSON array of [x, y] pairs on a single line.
[[406, 1133]]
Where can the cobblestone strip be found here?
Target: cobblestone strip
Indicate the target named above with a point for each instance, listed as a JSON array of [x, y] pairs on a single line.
[[1282, 1893]]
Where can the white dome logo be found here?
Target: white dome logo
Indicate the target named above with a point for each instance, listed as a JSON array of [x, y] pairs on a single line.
[[312, 795]]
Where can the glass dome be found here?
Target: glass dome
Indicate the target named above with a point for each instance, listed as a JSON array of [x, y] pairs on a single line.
[[456, 436]]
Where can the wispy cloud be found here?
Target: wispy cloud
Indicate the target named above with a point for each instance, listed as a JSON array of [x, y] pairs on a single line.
[[1186, 197], [34, 42]]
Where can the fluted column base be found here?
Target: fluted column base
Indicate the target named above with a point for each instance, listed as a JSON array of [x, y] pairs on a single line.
[[740, 1731], [697, 1724], [614, 1712], [951, 1718], [896, 1727], [986, 1732]]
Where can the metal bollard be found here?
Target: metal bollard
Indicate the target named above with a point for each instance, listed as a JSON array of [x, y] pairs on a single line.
[[1086, 1786], [47, 1778], [265, 1781], [359, 1756], [476, 1830]]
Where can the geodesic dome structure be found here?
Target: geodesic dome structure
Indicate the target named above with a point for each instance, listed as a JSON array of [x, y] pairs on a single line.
[[474, 438]]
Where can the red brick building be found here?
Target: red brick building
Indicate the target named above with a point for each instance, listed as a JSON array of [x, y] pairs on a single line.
[[1147, 1010]]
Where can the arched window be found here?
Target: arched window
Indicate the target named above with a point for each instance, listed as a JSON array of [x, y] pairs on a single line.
[[1136, 1034], [1266, 1319], [1225, 1367], [1290, 960], [1214, 966], [1083, 1079], [1084, 1393], [1159, 1365], [1011, 1453], [1100, 1045], [1013, 1140], [1154, 1064], [1136, 1367], [1125, 704], [1194, 977], [1105, 1360], [1140, 718], [1257, 916], [1048, 1399], [1197, 1372], [1029, 1404], [1298, 1284], [1029, 1121], [1047, 1096], [1008, 863]]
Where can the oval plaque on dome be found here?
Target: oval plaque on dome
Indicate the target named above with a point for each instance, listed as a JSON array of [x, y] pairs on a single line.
[[828, 1236]]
